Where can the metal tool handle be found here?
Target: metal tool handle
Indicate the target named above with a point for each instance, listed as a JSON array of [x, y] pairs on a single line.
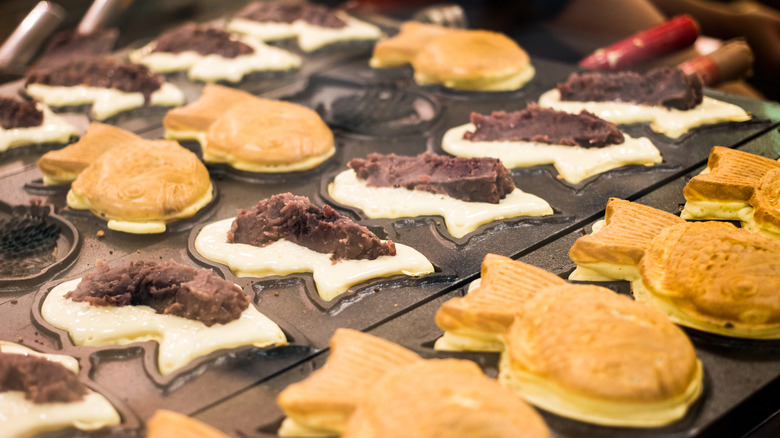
[[99, 15], [20, 47]]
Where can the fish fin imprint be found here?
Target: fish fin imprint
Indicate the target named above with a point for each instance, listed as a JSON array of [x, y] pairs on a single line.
[[628, 231], [491, 307], [325, 400], [199, 115], [731, 176], [63, 165]]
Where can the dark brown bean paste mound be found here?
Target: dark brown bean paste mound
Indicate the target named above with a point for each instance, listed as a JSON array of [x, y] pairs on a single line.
[[203, 40], [467, 179], [41, 380], [18, 113], [100, 73], [296, 219], [669, 87], [168, 288], [287, 12], [545, 125]]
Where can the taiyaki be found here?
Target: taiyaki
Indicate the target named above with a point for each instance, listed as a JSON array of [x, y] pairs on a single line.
[[189, 312], [62, 166], [252, 133], [572, 349], [669, 99], [736, 185], [401, 49], [287, 234], [170, 424], [477, 60], [371, 388], [210, 54], [34, 404], [711, 276], [315, 26], [143, 186]]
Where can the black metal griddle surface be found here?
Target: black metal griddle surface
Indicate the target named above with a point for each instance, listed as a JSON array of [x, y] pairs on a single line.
[[234, 389]]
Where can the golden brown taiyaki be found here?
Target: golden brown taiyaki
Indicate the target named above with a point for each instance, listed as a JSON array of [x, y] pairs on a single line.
[[251, 133], [473, 60], [170, 424], [401, 49], [572, 349], [711, 276], [62, 166], [736, 186], [372, 388], [140, 189]]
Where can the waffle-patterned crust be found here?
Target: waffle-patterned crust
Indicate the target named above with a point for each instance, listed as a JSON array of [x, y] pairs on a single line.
[[505, 287], [628, 232], [327, 398], [733, 176], [716, 273], [447, 397], [169, 424], [766, 202], [585, 339], [150, 181]]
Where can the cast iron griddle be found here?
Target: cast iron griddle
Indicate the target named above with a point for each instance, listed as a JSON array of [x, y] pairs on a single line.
[[234, 389]]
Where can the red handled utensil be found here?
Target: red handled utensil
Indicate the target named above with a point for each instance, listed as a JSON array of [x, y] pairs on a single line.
[[677, 33]]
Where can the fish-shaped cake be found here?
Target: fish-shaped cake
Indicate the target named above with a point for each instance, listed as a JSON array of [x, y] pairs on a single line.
[[739, 186], [370, 388], [251, 133], [62, 166], [711, 276], [572, 349], [138, 187]]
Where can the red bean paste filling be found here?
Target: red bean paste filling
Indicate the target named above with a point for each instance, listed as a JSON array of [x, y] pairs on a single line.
[[665, 86], [18, 113], [65, 46], [545, 125], [41, 380], [100, 73], [168, 288], [296, 219], [467, 179], [288, 12], [203, 40]]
